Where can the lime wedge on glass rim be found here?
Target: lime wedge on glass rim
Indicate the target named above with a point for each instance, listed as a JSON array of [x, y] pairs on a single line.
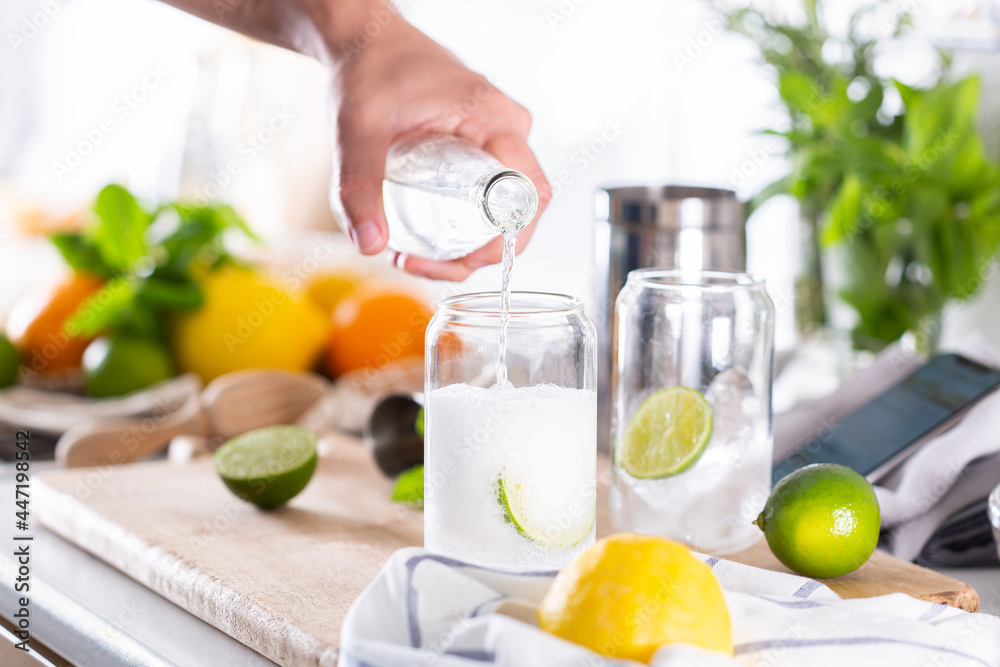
[[539, 513], [667, 434], [267, 466]]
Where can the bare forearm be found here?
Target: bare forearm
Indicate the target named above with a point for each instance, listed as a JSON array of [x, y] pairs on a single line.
[[389, 81]]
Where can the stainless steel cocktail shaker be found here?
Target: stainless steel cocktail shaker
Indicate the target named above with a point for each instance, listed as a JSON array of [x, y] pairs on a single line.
[[670, 227]]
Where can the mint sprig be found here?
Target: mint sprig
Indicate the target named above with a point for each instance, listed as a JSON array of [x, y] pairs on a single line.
[[150, 257], [409, 489]]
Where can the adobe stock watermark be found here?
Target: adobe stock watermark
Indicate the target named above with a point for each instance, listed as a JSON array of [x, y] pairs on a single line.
[[882, 197], [365, 33], [891, 14], [129, 613], [56, 341], [246, 326], [697, 43], [586, 154], [123, 107], [299, 273], [231, 511], [930, 326], [251, 147], [755, 159], [490, 424], [562, 12], [33, 24], [424, 156]]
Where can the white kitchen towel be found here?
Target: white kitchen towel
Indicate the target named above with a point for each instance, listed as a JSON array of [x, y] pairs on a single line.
[[431, 611], [947, 473], [932, 471]]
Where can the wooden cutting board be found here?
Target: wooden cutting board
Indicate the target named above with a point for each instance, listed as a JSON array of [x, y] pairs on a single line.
[[281, 581]]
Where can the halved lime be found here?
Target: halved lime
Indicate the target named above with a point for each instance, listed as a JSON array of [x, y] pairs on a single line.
[[541, 517], [267, 466], [9, 360], [667, 434]]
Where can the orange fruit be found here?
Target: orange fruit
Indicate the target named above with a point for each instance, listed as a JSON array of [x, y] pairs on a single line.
[[374, 326], [36, 322], [329, 289], [449, 347]]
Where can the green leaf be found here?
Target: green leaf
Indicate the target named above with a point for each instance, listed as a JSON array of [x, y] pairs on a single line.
[[409, 488], [140, 320], [935, 115], [778, 187], [217, 216], [120, 232], [171, 294], [811, 15], [907, 93], [198, 236], [861, 177], [99, 311], [149, 267], [800, 92], [81, 254], [866, 108], [843, 213]]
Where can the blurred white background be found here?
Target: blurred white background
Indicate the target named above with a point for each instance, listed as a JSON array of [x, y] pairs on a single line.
[[623, 92]]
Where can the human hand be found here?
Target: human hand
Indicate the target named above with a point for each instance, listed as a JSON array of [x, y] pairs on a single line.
[[401, 84]]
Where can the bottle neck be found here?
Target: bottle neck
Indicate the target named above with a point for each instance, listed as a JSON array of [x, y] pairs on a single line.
[[508, 199]]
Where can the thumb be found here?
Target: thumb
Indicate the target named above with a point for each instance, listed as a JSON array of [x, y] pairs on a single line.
[[362, 166]]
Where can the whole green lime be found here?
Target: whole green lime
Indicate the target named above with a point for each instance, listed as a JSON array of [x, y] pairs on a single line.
[[113, 366], [822, 520], [9, 360], [267, 466]]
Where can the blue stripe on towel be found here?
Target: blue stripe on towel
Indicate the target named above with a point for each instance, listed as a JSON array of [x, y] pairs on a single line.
[[806, 589], [711, 561], [933, 612], [478, 656], [479, 607], [791, 604], [411, 593], [348, 660], [752, 647]]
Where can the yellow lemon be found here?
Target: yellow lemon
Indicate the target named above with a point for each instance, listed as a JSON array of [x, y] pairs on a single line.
[[629, 594], [329, 289], [248, 322]]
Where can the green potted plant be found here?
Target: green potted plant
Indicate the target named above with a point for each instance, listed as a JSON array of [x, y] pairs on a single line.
[[901, 200]]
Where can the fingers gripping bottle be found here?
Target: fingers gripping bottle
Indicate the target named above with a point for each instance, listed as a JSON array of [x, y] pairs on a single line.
[[444, 198]]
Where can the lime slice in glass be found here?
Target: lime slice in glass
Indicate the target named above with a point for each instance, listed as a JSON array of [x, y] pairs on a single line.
[[545, 513], [267, 466], [667, 434]]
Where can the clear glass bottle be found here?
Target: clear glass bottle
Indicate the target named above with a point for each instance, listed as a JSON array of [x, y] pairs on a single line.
[[713, 332], [510, 471], [444, 198]]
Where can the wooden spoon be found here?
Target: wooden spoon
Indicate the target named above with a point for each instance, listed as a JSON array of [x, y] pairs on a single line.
[[244, 400], [110, 441], [231, 404]]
